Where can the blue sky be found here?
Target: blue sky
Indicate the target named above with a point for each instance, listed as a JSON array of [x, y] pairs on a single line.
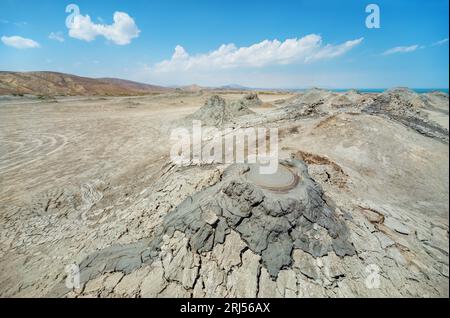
[[286, 44]]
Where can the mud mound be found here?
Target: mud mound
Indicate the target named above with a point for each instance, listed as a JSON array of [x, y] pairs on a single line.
[[312, 102], [341, 101], [437, 97], [314, 95], [405, 97], [405, 92], [252, 100], [216, 111], [437, 101], [354, 97], [273, 214], [305, 104], [407, 107], [327, 102]]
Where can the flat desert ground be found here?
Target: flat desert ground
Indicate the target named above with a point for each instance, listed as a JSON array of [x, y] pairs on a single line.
[[87, 181]]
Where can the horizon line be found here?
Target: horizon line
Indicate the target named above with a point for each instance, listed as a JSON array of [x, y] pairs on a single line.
[[233, 84]]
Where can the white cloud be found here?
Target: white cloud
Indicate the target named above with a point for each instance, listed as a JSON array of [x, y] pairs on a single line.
[[19, 42], [330, 51], [121, 32], [443, 41], [57, 36], [303, 50], [401, 49]]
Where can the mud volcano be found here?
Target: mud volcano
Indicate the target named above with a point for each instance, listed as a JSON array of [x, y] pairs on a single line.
[[252, 100], [273, 214], [217, 111]]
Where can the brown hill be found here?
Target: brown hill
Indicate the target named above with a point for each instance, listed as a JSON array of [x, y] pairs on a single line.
[[52, 83]]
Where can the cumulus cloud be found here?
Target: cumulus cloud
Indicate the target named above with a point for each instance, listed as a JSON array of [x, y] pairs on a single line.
[[443, 41], [401, 49], [19, 42], [57, 36], [268, 52], [120, 32]]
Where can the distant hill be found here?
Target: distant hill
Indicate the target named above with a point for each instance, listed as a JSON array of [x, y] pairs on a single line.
[[198, 88], [53, 84], [236, 87]]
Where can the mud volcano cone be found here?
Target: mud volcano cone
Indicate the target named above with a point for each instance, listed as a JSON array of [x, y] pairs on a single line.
[[273, 214], [216, 111], [252, 100]]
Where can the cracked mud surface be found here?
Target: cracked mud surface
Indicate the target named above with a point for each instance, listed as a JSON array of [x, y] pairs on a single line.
[[88, 182]]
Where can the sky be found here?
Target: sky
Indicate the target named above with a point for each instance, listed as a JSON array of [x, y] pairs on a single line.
[[264, 44]]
